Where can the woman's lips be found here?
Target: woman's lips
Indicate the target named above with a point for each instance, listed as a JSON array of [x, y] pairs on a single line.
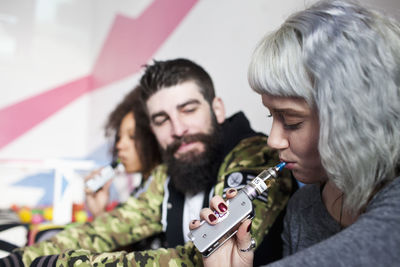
[[122, 158], [289, 165]]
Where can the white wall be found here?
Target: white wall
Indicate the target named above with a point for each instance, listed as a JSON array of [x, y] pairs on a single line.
[[45, 44]]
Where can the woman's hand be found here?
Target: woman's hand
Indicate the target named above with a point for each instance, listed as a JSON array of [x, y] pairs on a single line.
[[228, 254], [97, 201]]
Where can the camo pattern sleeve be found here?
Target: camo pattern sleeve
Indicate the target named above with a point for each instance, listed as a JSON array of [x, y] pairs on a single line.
[[185, 255], [135, 220], [252, 155]]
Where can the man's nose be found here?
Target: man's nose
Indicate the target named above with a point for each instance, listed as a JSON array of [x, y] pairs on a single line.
[[277, 138], [179, 128]]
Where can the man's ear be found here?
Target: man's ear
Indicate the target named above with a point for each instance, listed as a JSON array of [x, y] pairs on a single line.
[[219, 109]]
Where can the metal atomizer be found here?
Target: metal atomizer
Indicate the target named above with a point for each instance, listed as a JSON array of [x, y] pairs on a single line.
[[208, 238]]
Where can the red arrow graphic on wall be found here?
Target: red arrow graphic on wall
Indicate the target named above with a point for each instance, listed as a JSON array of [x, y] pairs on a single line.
[[130, 44]]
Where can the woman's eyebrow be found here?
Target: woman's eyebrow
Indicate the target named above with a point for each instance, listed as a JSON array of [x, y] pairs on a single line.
[[291, 112]]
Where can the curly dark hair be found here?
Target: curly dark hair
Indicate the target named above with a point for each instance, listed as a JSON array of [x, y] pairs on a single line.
[[145, 141], [172, 72]]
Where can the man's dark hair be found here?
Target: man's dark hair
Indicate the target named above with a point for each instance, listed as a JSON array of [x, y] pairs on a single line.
[[145, 141], [168, 73]]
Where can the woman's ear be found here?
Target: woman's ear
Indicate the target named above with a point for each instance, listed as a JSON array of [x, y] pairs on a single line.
[[219, 109]]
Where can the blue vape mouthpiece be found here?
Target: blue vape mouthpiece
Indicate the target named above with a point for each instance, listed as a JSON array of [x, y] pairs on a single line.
[[280, 166]]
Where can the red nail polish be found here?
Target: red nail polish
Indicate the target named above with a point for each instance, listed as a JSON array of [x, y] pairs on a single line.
[[222, 207], [212, 217], [249, 227], [230, 191]]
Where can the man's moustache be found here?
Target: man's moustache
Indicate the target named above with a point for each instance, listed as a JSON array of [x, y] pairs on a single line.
[[172, 148]]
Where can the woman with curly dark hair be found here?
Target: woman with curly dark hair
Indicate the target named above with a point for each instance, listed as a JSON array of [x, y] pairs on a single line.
[[135, 147]]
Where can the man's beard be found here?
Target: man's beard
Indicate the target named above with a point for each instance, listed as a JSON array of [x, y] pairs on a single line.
[[195, 172]]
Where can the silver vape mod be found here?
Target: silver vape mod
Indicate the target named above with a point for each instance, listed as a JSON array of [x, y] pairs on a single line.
[[207, 238]]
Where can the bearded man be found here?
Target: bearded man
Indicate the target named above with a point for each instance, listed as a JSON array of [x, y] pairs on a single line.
[[204, 154]]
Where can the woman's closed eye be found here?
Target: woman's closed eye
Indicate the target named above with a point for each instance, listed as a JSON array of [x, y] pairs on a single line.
[[292, 126], [289, 122]]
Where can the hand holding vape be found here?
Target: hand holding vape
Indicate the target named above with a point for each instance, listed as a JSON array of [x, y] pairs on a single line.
[[99, 180], [208, 238]]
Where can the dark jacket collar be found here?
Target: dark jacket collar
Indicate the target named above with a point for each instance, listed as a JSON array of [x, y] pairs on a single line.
[[234, 129]]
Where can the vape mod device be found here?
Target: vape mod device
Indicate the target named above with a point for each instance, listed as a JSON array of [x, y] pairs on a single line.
[[100, 179], [208, 238]]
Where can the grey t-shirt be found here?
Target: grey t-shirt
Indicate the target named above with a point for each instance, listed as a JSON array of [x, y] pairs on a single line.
[[313, 238]]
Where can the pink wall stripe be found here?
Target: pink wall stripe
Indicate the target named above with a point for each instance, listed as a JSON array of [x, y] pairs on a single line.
[[130, 44], [16, 119]]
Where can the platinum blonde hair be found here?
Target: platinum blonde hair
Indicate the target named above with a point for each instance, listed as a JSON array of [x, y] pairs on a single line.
[[344, 60]]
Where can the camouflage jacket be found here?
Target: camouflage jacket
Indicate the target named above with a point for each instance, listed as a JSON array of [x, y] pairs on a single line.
[[91, 244]]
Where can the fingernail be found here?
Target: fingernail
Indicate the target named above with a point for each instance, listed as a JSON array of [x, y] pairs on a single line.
[[212, 217], [222, 207], [230, 191], [249, 227]]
